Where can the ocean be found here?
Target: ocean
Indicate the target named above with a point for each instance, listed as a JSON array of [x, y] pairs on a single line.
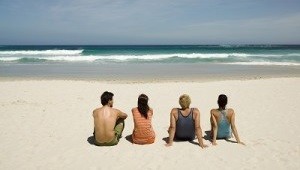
[[224, 54], [113, 62]]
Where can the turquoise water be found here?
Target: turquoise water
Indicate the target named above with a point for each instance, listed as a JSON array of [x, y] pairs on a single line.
[[224, 54]]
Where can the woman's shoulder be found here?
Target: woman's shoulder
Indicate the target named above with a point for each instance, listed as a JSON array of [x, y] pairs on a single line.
[[195, 109], [151, 109], [214, 111], [230, 111], [134, 110]]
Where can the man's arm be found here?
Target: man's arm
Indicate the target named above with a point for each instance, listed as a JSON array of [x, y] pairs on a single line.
[[233, 127], [214, 128], [172, 127], [122, 115], [94, 113], [94, 120], [198, 129]]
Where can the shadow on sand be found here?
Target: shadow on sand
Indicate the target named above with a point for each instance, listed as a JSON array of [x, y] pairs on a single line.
[[166, 139], [129, 138], [91, 140], [208, 136]]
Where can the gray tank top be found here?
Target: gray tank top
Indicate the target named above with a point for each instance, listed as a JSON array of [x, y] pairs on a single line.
[[185, 126]]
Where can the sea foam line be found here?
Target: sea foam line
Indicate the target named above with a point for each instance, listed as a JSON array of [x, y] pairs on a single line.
[[119, 57], [149, 57], [42, 52], [114, 57], [265, 63]]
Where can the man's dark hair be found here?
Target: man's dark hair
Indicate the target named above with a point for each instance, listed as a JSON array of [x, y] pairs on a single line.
[[222, 101], [106, 97]]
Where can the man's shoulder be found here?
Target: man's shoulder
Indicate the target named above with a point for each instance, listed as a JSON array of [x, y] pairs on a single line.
[[115, 110], [98, 108], [96, 111]]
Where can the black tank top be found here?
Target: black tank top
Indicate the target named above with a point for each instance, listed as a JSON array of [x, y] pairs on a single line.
[[185, 126]]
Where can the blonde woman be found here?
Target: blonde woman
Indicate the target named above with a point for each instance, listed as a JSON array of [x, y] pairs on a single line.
[[185, 122]]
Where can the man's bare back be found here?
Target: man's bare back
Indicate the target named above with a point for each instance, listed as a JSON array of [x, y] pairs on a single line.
[[108, 122], [105, 120]]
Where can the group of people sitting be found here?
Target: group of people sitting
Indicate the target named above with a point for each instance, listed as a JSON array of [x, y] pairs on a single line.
[[184, 122]]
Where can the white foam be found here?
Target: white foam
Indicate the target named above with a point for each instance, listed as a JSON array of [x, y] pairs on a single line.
[[150, 57], [42, 52], [166, 56], [266, 63], [71, 58], [9, 58]]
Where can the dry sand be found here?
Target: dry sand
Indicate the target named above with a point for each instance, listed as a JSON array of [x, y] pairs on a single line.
[[46, 124]]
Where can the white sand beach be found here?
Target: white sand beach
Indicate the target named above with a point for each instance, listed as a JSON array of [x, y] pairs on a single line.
[[46, 124]]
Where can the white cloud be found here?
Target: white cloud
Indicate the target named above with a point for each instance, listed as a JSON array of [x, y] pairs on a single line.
[[264, 30]]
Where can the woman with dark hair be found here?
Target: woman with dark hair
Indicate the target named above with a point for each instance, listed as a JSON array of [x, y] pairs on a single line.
[[222, 121], [143, 132]]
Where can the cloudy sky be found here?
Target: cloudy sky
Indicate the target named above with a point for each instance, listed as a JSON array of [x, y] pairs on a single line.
[[105, 22]]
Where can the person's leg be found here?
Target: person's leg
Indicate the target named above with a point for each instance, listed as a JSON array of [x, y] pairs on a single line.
[[120, 124]]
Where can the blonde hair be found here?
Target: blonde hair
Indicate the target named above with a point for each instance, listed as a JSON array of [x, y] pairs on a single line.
[[184, 101]]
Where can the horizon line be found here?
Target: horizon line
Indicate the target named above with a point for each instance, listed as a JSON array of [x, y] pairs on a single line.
[[144, 44]]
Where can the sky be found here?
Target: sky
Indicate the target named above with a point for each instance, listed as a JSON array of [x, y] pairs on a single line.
[[142, 22]]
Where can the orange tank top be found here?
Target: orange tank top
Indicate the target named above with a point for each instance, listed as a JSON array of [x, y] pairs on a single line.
[[143, 132]]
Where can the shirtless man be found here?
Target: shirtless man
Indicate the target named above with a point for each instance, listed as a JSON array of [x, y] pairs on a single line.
[[108, 122]]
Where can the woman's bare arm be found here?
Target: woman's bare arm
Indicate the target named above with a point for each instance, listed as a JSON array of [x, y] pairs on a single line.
[[198, 129], [233, 127], [215, 128], [172, 127]]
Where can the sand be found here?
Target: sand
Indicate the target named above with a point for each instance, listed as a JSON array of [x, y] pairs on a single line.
[[46, 124]]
